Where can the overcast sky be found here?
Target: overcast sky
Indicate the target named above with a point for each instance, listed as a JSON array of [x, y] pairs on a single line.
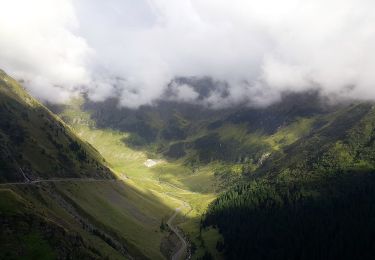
[[134, 48]]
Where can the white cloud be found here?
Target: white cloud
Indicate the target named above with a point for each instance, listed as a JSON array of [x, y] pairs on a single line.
[[260, 48], [38, 44], [182, 92]]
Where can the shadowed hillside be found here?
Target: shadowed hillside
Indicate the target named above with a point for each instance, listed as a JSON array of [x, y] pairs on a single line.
[[294, 165], [58, 198], [313, 199], [37, 144]]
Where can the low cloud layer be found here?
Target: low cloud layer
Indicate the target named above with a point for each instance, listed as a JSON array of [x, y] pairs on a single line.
[[140, 50]]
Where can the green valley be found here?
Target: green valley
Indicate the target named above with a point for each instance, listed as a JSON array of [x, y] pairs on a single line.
[[187, 130], [146, 181]]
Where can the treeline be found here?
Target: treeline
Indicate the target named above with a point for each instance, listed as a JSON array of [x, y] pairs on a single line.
[[328, 217]]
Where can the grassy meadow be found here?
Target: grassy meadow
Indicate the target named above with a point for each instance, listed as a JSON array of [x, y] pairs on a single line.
[[150, 195]]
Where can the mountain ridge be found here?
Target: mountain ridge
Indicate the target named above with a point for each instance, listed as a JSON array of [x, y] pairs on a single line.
[[37, 144], [246, 172]]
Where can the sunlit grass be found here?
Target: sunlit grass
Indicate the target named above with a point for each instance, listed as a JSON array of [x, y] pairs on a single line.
[[170, 184]]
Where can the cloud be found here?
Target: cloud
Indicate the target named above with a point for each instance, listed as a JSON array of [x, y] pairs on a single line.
[[38, 44], [136, 49], [182, 92]]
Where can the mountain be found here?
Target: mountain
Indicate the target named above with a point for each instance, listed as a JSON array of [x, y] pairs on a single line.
[[61, 199], [178, 130], [37, 144], [313, 199], [293, 180], [58, 197]]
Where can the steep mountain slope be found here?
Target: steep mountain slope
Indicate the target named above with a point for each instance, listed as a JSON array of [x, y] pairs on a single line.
[[300, 165], [36, 144], [282, 174], [170, 182], [313, 199], [58, 198], [198, 135], [37, 150], [200, 152]]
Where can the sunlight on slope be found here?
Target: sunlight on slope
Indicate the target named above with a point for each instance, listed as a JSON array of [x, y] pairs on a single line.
[[169, 182]]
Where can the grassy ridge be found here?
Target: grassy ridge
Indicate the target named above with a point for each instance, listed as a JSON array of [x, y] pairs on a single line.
[[169, 183], [37, 144], [312, 199], [31, 230], [125, 211], [197, 135], [199, 153], [197, 157]]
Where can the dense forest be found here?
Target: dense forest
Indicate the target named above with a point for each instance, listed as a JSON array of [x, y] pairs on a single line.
[[315, 199], [327, 219]]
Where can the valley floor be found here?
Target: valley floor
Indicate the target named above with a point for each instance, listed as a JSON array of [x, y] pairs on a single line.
[[172, 183], [117, 208]]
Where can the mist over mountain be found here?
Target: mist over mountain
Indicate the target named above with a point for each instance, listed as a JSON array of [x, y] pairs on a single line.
[[254, 51]]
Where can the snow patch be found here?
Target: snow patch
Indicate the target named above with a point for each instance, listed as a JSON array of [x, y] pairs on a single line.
[[150, 163]]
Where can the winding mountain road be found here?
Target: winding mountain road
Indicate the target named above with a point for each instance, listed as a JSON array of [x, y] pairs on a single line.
[[176, 256], [180, 253], [86, 224], [54, 180]]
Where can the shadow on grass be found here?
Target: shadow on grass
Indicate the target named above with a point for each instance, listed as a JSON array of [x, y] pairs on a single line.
[[113, 216]]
